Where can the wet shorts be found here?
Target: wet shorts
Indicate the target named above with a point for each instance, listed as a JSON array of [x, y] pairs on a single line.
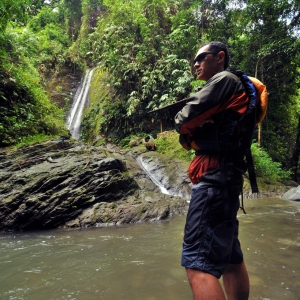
[[211, 238]]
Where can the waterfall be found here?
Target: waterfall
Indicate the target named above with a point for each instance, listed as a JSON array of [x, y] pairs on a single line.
[[153, 178], [79, 102], [162, 178]]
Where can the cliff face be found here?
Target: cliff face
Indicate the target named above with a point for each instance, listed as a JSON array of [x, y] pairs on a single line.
[[61, 183]]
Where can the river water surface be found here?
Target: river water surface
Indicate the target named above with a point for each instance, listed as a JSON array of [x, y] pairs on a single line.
[[143, 261]]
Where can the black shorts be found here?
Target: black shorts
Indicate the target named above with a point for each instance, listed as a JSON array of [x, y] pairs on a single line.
[[211, 238]]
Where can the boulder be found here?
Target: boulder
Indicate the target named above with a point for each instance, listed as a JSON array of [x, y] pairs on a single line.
[[292, 194], [69, 184]]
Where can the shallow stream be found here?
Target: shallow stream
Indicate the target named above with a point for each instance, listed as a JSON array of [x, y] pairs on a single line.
[[143, 261]]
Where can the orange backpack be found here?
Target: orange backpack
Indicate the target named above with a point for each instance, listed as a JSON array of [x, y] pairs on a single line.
[[262, 98]]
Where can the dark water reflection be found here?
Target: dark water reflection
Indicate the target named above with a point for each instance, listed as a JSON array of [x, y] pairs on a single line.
[[143, 261]]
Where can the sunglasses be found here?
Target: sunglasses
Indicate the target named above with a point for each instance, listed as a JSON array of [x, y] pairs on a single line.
[[202, 56]]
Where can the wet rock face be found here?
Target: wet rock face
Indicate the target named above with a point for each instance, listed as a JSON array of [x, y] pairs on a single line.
[[68, 184]]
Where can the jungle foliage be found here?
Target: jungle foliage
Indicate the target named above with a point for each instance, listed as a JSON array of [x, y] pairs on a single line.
[[143, 50], [32, 45]]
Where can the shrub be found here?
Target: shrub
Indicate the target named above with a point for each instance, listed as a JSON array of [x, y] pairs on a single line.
[[168, 143], [265, 166]]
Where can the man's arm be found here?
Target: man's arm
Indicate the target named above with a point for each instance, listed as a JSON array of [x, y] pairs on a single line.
[[221, 92], [216, 96]]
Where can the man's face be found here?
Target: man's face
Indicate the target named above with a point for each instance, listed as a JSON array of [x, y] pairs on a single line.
[[208, 64]]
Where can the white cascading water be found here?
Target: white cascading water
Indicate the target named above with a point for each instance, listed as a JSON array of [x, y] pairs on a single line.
[[155, 180], [160, 178], [79, 102]]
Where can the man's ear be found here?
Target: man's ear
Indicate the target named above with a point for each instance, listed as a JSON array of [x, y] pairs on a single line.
[[221, 56]]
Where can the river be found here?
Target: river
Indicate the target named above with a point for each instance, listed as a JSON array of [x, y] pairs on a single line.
[[142, 261]]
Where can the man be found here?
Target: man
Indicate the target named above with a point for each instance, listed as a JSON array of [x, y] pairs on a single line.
[[211, 248]]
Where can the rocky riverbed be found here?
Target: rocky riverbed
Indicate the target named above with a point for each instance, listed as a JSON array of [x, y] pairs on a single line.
[[69, 184]]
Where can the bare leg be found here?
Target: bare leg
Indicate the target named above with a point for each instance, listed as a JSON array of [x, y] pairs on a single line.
[[205, 286], [236, 282]]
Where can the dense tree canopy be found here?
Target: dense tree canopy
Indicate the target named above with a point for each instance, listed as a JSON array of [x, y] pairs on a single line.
[[143, 51]]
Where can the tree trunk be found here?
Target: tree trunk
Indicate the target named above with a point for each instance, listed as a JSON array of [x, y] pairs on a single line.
[[259, 125], [295, 157], [259, 135]]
